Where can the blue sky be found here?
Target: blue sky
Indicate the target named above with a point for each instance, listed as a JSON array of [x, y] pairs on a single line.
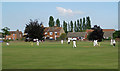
[[16, 14]]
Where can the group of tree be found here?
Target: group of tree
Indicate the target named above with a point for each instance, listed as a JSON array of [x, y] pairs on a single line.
[[5, 31], [34, 30], [63, 36], [77, 26], [80, 25], [116, 34], [96, 34], [53, 23]]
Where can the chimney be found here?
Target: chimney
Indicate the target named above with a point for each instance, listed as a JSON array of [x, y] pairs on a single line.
[[18, 30]]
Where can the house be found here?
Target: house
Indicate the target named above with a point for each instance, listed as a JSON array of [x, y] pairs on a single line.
[[14, 35], [53, 32], [107, 33], [78, 35], [87, 32], [83, 35]]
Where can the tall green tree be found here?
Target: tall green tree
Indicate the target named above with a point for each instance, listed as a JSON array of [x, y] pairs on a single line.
[[78, 26], [65, 26], [84, 26], [5, 31], [88, 23], [51, 21], [81, 25], [34, 30], [75, 27], [116, 34], [58, 23], [63, 36], [71, 25], [61, 26]]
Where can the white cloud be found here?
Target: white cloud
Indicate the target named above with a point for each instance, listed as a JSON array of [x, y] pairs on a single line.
[[67, 12]]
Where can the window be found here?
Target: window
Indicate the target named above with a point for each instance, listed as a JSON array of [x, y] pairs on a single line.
[[51, 33], [45, 33], [20, 35], [9, 38], [13, 38], [13, 34], [55, 33], [104, 37], [51, 37], [45, 38]]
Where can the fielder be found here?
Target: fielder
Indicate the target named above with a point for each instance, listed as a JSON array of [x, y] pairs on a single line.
[[68, 41], [114, 43], [31, 43], [37, 42], [61, 41], [95, 43], [7, 44], [111, 42], [74, 43]]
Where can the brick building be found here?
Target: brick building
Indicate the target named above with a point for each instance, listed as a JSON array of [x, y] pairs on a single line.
[[107, 33], [53, 32], [14, 35]]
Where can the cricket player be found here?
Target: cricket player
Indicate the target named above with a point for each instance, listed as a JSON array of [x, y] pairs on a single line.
[[31, 43], [94, 43], [111, 42], [7, 44], [61, 41], [37, 42], [114, 43], [74, 42], [68, 41]]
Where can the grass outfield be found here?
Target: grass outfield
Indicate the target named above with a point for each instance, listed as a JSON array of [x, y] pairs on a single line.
[[53, 55]]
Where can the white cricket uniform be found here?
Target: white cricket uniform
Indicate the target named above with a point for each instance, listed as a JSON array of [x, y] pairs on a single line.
[[61, 41], [7, 44], [114, 43], [94, 43], [74, 43], [38, 43], [111, 42], [68, 41]]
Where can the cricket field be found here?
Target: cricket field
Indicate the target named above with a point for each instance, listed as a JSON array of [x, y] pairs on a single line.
[[54, 55]]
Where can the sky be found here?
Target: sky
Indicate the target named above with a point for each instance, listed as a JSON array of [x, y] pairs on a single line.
[[16, 14]]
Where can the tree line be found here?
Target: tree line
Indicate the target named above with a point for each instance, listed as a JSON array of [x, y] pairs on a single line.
[[35, 30], [80, 25]]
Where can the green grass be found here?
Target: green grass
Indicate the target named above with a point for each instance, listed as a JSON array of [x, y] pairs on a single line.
[[53, 55]]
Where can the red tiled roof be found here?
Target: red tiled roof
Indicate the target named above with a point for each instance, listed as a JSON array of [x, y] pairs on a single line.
[[90, 30], [46, 29], [52, 29], [108, 29], [15, 32], [20, 32]]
